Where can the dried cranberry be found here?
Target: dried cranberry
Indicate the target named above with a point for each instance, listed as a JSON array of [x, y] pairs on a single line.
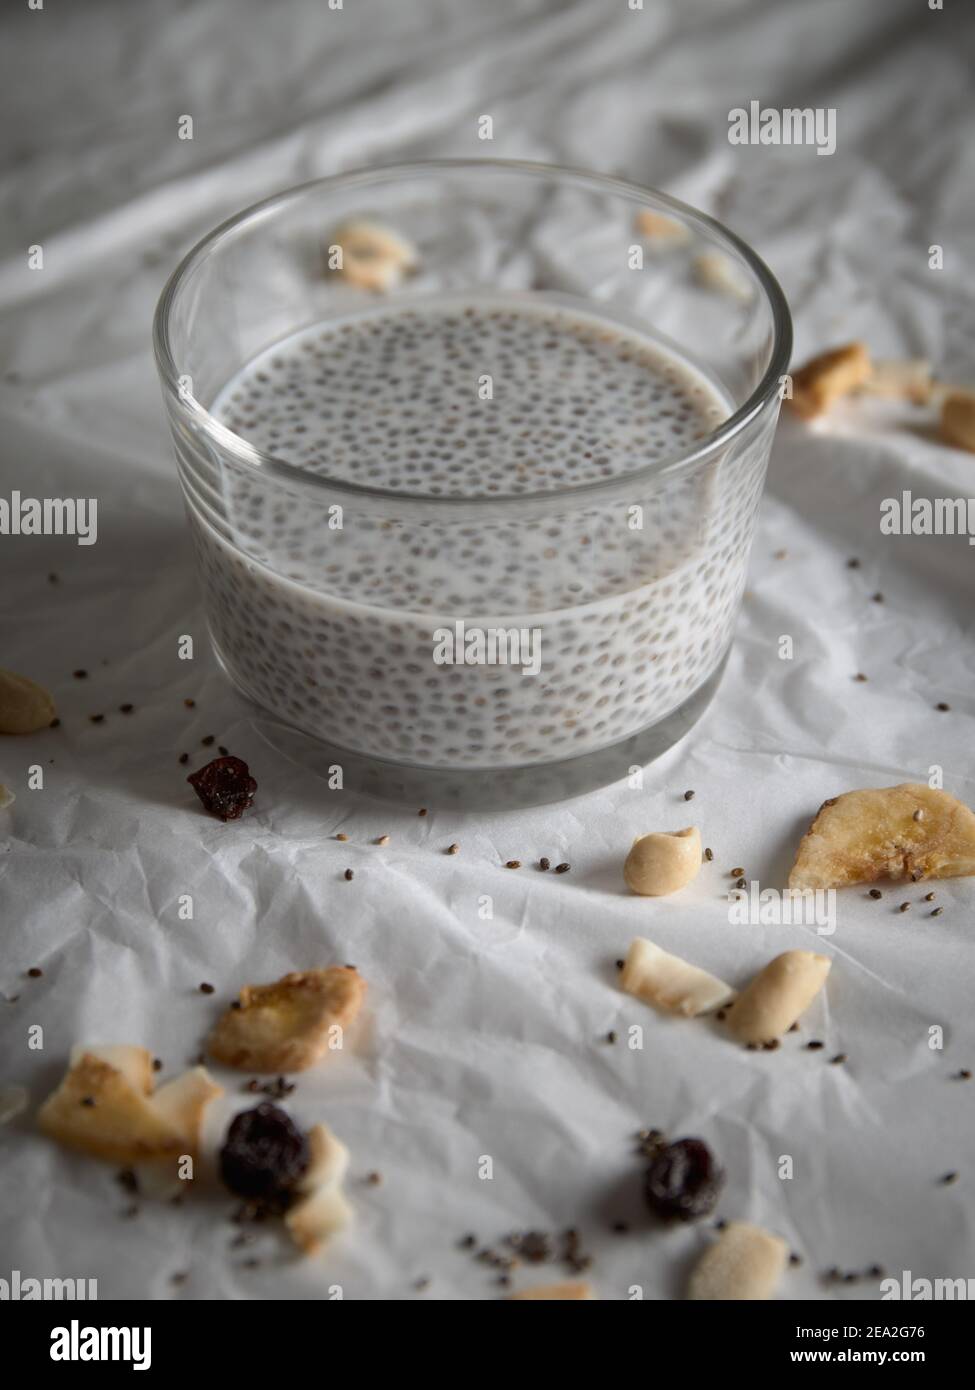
[[225, 787], [264, 1155], [683, 1180]]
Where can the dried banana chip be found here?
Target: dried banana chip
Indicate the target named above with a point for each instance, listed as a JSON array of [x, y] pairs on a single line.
[[285, 1027], [671, 983], [744, 1263], [907, 832]]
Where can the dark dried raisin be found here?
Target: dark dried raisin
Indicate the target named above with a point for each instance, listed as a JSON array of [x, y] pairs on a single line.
[[225, 787], [264, 1155], [683, 1180]]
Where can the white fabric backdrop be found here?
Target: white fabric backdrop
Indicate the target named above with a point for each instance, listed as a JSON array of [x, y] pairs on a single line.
[[482, 1038]]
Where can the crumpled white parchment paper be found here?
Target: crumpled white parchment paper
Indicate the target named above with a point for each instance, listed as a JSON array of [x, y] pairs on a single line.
[[483, 1038]]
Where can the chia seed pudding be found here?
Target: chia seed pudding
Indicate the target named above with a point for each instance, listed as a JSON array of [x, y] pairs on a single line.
[[324, 611]]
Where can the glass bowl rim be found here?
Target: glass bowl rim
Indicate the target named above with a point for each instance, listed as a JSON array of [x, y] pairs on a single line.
[[246, 454]]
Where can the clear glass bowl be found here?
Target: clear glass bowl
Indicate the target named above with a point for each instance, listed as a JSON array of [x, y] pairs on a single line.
[[337, 567]]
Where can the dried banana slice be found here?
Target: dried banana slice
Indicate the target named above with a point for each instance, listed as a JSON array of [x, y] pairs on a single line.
[[744, 1263], [778, 995], [911, 831], [571, 1289], [285, 1026], [320, 1209], [671, 983]]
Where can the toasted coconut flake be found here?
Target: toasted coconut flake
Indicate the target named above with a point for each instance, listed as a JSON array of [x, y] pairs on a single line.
[[829, 376], [744, 1263], [97, 1110], [769, 1006], [284, 1027], [104, 1107], [671, 983], [321, 1209], [134, 1063], [572, 1289], [183, 1102], [863, 836]]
